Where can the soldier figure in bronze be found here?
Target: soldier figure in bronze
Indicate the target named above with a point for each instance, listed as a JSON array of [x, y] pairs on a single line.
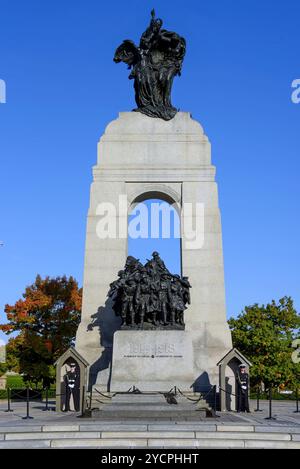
[[128, 300], [164, 296], [177, 303], [143, 297]]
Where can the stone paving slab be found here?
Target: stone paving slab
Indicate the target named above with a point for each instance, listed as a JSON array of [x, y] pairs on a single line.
[[60, 428], [20, 428], [159, 434], [245, 436], [235, 428], [272, 444], [277, 429], [190, 426], [114, 443], [51, 435], [195, 444], [109, 427], [29, 444]]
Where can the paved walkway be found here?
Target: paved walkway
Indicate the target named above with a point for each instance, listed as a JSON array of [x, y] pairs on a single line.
[[48, 429], [283, 411]]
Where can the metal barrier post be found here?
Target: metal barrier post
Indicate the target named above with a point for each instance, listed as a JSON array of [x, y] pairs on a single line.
[[47, 400], [27, 405], [215, 398], [8, 401], [297, 401], [257, 401], [83, 402], [90, 400], [270, 406]]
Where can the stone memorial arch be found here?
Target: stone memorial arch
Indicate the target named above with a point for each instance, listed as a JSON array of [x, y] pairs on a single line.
[[141, 157], [154, 151]]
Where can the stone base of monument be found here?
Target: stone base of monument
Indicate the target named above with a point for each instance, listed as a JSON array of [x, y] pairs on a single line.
[[151, 377], [152, 361], [153, 407]]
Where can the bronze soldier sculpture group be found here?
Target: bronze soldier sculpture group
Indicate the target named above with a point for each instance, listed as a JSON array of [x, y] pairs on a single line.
[[149, 296]]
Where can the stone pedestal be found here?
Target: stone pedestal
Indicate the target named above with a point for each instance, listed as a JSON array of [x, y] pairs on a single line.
[[152, 361], [3, 380], [140, 157]]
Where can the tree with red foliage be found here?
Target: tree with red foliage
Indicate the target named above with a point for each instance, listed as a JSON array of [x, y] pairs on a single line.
[[46, 318]]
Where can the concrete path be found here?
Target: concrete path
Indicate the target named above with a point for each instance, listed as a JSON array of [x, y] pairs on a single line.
[[49, 429]]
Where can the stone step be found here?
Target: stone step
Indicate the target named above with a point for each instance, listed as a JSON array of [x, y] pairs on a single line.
[[146, 442], [173, 435], [146, 425], [158, 434], [139, 398], [151, 414], [145, 399], [154, 443], [150, 406]]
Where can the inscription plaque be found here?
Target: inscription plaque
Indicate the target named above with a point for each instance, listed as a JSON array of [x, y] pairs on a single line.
[[152, 360]]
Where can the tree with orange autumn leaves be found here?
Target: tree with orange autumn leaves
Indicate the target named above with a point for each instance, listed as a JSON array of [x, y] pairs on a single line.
[[46, 319]]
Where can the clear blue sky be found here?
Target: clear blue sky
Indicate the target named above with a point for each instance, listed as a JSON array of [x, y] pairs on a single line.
[[63, 88]]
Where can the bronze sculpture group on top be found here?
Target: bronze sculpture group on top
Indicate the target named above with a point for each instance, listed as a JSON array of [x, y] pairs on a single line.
[[149, 296], [154, 64]]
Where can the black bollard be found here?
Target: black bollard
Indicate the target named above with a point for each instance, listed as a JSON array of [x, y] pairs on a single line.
[[257, 401], [27, 405], [47, 401], [297, 402], [90, 400], [9, 409], [270, 406], [83, 402], [215, 398]]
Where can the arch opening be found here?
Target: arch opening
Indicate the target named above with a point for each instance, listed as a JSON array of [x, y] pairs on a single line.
[[154, 225]]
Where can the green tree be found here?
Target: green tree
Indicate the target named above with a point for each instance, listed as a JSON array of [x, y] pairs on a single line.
[[12, 354], [264, 334], [3, 368], [46, 318]]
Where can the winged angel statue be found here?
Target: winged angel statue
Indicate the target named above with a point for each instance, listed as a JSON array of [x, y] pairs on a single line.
[[153, 65]]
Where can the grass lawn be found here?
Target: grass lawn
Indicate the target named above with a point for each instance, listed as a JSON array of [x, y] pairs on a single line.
[[15, 381]]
